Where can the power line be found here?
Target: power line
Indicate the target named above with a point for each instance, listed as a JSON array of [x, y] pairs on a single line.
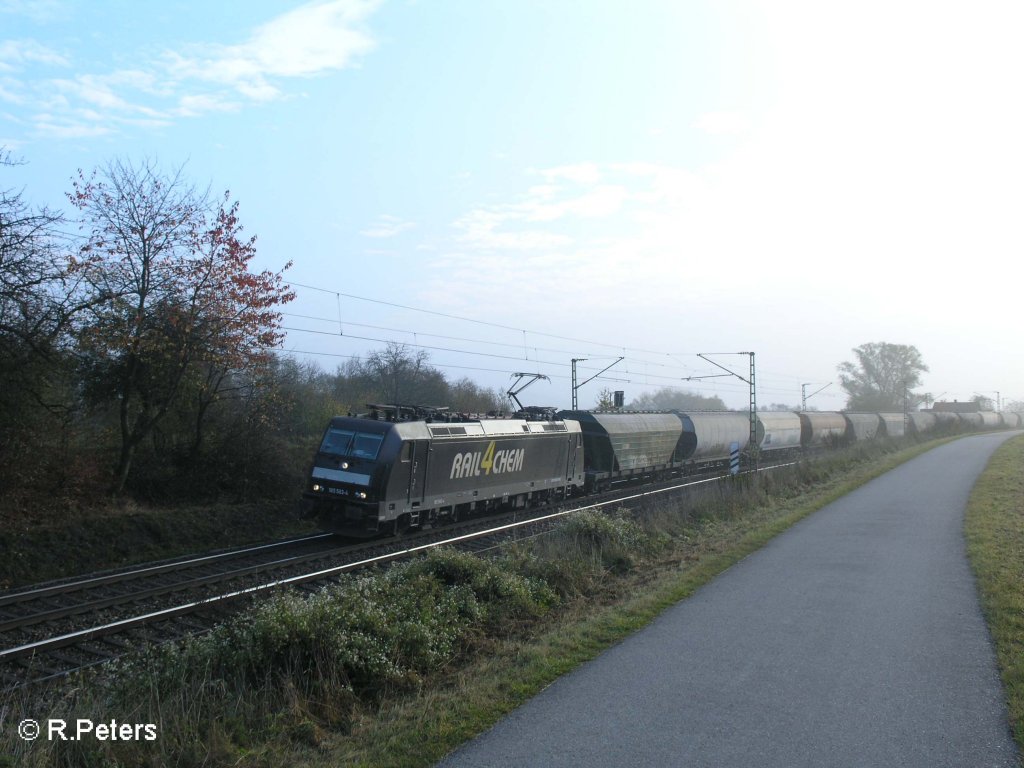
[[472, 320], [477, 354], [417, 334], [419, 346], [420, 333], [509, 371], [712, 388], [726, 385], [646, 375]]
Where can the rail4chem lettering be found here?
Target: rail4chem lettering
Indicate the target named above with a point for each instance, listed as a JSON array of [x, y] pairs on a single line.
[[476, 463]]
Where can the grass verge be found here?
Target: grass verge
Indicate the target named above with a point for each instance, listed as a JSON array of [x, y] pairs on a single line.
[[994, 527]]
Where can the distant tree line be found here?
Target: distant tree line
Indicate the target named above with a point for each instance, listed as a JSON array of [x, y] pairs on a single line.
[[670, 398], [664, 399]]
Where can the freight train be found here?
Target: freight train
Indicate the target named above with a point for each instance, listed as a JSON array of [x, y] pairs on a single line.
[[402, 467]]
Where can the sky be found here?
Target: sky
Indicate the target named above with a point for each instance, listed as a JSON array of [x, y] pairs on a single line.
[[508, 186]]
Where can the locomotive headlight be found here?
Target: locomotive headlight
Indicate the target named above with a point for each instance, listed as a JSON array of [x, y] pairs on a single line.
[[317, 487], [361, 495], [344, 465]]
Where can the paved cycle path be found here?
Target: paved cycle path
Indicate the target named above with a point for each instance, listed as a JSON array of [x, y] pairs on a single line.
[[853, 639]]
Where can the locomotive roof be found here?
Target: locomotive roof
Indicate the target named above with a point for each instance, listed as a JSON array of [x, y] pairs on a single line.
[[422, 430], [488, 427]]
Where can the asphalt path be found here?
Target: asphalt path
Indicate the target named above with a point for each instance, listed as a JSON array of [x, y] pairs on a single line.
[[855, 638]]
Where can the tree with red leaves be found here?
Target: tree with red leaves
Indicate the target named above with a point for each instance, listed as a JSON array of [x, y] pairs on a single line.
[[171, 298]]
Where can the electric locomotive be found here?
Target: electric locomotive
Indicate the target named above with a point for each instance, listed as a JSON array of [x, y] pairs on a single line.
[[400, 467]]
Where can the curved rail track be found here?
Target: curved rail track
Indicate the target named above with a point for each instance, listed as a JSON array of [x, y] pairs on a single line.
[[55, 629]]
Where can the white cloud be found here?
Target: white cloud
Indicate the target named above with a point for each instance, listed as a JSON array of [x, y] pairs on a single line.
[[15, 54], [11, 92], [314, 39], [38, 10], [584, 207], [728, 123], [581, 173], [92, 91], [486, 230], [598, 202], [52, 127], [191, 106], [386, 226]]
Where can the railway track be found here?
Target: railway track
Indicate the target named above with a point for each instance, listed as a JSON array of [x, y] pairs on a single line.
[[55, 629], [68, 598]]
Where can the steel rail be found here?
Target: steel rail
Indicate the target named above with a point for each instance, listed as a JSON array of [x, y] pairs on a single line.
[[71, 638], [13, 598], [163, 589]]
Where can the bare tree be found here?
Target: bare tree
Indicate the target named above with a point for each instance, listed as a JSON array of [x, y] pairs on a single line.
[[468, 397], [165, 274], [33, 303], [404, 376]]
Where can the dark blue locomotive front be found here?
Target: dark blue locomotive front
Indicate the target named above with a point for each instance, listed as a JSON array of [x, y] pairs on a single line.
[[371, 475]]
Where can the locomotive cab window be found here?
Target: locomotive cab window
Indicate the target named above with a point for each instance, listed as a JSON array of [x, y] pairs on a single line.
[[358, 445], [337, 441], [366, 446]]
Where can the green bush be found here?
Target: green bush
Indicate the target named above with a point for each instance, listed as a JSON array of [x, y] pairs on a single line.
[[368, 634], [502, 593], [346, 644], [613, 540]]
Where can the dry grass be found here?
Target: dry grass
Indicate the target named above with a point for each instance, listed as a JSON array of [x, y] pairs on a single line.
[[995, 543]]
